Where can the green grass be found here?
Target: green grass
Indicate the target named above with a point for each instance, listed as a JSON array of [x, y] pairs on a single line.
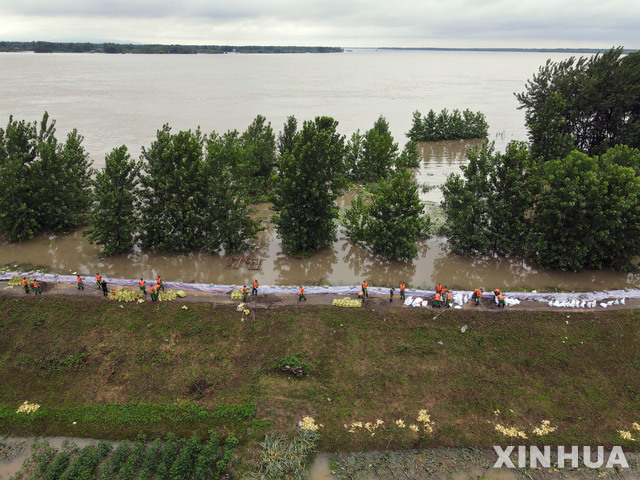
[[120, 371]]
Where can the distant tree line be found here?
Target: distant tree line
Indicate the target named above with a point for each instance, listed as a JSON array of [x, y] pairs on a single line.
[[571, 198], [84, 47], [191, 191], [448, 126]]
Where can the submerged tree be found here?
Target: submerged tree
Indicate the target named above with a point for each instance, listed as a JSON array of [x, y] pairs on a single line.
[[44, 186], [115, 212], [173, 193], [588, 214], [227, 220], [393, 221], [486, 208], [379, 153], [259, 158], [309, 178]]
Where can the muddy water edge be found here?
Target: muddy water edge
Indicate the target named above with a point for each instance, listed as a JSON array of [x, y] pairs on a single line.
[[341, 264]]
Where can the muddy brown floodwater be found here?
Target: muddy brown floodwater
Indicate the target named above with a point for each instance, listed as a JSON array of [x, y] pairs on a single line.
[[341, 264]]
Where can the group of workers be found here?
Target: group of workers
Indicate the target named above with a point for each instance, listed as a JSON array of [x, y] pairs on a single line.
[[442, 293], [37, 289]]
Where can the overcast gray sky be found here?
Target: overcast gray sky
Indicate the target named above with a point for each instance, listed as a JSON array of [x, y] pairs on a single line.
[[344, 23]]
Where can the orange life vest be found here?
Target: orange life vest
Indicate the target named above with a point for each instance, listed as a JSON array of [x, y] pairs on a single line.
[[35, 284], [500, 296], [142, 283], [364, 284], [159, 280], [448, 296], [79, 279], [402, 287], [438, 288], [25, 282], [255, 284], [244, 289], [98, 278], [301, 291], [437, 297]]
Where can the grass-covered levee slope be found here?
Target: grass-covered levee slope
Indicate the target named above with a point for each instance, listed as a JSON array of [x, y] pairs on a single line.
[[395, 381]]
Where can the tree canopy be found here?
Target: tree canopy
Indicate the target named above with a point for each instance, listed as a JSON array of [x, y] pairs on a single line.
[[586, 104], [394, 219], [572, 213], [309, 179], [44, 185]]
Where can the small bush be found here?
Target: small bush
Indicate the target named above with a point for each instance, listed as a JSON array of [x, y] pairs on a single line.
[[296, 364]]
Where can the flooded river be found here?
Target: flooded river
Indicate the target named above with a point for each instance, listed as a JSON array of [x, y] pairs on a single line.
[[124, 99], [342, 264]]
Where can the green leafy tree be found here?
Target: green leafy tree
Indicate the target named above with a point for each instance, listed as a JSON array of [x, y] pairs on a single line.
[[308, 182], [66, 203], [260, 158], [447, 126], [286, 138], [228, 223], [486, 210], [409, 158], [173, 193], [394, 220], [114, 214], [588, 214], [588, 104], [44, 186], [353, 154], [379, 153]]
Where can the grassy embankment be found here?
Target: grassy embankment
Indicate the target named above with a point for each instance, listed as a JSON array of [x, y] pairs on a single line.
[[157, 368]]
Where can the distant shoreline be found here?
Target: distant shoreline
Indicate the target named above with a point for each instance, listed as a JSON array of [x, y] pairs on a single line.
[[517, 50], [114, 48]]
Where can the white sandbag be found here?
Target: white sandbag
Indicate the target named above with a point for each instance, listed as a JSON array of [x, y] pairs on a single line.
[[417, 302], [457, 298], [622, 300], [408, 300]]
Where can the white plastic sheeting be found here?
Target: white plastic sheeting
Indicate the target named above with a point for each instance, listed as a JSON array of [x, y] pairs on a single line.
[[560, 300]]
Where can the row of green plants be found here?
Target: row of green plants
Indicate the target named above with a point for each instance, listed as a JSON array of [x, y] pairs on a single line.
[[128, 414], [192, 191], [170, 458], [447, 125]]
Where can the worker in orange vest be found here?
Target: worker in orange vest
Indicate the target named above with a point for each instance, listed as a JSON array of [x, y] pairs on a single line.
[[25, 284], [501, 302], [159, 283], [254, 288], [444, 293], [99, 281], [154, 292], [301, 295], [436, 300], [143, 286], [496, 292], [439, 289], [80, 283], [402, 287], [364, 289], [36, 287], [361, 295], [244, 293], [477, 295], [449, 300]]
